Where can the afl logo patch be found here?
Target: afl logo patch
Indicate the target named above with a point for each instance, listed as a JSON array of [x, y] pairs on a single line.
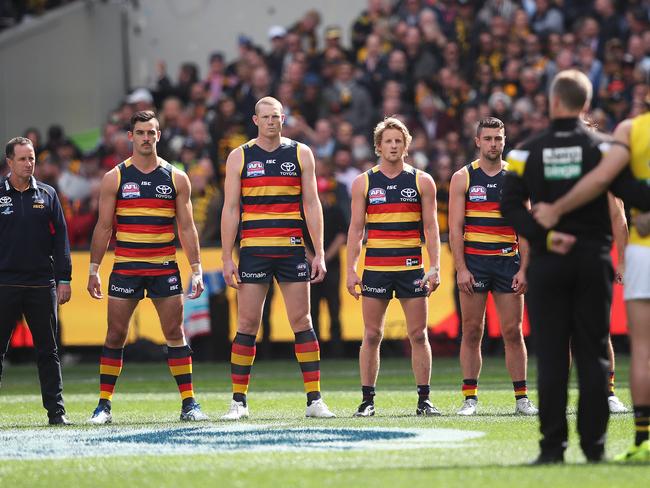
[[377, 195], [255, 168], [408, 193], [164, 189], [477, 194], [288, 166], [130, 190], [172, 279], [301, 266]]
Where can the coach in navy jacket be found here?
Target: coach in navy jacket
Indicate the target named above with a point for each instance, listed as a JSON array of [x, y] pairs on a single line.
[[35, 267]]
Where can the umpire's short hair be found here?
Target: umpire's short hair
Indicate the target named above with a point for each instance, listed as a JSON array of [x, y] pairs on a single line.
[[572, 88], [16, 141], [489, 123], [142, 116]]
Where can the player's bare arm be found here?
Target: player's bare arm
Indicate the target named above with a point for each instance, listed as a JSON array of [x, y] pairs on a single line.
[[103, 230], [230, 216], [355, 234], [431, 232], [457, 188], [620, 233], [187, 231], [313, 212]]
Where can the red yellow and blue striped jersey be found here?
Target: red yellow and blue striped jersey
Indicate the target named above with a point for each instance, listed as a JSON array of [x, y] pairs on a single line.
[[640, 164], [271, 191], [145, 211], [486, 232], [393, 220]]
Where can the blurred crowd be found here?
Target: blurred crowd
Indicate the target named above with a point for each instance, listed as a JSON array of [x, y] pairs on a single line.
[[439, 65]]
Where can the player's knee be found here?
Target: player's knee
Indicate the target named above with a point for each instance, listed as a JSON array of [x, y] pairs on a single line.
[[300, 323], [512, 335], [116, 337], [174, 334], [373, 337], [418, 337], [472, 334]]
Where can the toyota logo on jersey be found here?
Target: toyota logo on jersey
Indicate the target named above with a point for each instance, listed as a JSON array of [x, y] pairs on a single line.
[[408, 193], [164, 189], [477, 194], [377, 195], [288, 167], [255, 168]]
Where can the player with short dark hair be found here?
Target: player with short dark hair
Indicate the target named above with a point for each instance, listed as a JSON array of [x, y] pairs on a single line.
[[146, 195], [489, 257]]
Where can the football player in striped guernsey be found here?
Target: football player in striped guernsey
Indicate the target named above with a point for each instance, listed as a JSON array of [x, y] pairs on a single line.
[[489, 257], [146, 195], [270, 183], [396, 203]]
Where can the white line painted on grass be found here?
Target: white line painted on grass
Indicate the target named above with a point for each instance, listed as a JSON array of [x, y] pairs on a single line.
[[123, 441]]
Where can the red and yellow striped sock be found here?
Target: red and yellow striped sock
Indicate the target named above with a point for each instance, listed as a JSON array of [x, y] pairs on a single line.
[[612, 379], [470, 389], [308, 355], [241, 363], [110, 367], [180, 365], [521, 389]]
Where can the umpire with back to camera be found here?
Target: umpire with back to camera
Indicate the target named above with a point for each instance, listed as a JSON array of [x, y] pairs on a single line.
[[35, 267], [570, 274]]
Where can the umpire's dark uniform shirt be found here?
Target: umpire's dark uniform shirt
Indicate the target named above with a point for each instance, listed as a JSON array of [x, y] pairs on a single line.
[[34, 256], [569, 296]]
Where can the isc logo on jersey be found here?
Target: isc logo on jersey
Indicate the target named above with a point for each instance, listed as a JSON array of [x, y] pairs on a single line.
[[477, 194], [377, 195], [255, 168], [130, 190]]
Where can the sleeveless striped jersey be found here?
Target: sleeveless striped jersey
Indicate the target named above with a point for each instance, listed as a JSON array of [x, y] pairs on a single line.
[[640, 164], [145, 211], [271, 189], [486, 232], [393, 220]]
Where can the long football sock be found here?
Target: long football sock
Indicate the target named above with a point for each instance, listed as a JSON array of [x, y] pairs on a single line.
[[180, 365], [110, 367], [368, 393], [521, 389], [241, 363], [308, 355], [612, 379], [470, 389], [423, 393], [641, 423]]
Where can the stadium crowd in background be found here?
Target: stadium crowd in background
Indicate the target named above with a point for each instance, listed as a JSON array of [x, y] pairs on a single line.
[[440, 66]]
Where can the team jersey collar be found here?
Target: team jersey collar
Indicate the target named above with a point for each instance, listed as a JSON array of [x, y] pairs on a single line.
[[9, 186]]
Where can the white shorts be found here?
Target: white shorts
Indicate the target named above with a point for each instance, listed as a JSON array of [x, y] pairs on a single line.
[[636, 281]]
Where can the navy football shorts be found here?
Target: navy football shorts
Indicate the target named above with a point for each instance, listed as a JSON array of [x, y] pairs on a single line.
[[129, 286], [261, 269], [382, 284], [493, 273]]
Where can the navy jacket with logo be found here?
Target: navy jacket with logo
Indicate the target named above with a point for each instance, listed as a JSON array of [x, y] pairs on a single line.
[[34, 247]]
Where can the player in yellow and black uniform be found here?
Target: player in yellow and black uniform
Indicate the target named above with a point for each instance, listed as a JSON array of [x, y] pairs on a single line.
[[268, 181], [487, 259], [146, 195], [394, 201], [630, 146]]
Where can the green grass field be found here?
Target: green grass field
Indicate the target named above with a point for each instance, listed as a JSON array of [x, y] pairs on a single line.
[[147, 446]]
